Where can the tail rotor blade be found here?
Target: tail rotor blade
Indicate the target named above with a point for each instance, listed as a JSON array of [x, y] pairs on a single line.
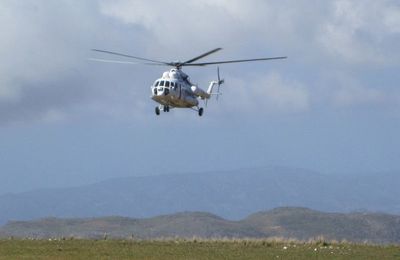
[[219, 83]]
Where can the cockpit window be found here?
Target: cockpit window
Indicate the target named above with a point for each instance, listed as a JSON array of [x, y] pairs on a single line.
[[156, 84], [172, 84], [167, 83], [162, 83]]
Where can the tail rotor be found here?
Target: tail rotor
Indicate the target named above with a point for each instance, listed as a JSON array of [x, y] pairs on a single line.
[[220, 82]]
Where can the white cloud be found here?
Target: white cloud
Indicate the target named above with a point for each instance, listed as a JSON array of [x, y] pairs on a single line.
[[357, 31], [352, 31], [38, 40], [43, 50], [177, 25], [282, 94], [391, 19], [270, 93], [208, 22], [343, 91], [353, 95]]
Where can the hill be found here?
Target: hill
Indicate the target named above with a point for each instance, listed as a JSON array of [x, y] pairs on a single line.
[[293, 223], [230, 194]]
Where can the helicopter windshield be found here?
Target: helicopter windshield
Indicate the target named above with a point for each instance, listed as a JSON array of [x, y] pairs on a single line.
[[166, 83], [156, 83]]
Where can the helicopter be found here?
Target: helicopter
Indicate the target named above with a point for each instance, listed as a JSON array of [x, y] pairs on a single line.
[[174, 89]]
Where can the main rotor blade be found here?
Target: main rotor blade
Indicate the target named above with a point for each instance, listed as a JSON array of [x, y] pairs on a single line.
[[129, 56], [114, 61], [201, 56], [126, 62], [231, 61]]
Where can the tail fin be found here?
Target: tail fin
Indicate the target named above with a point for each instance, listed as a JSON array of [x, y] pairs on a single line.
[[213, 83]]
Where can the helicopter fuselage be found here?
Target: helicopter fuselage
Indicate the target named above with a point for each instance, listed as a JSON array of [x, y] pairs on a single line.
[[175, 90]]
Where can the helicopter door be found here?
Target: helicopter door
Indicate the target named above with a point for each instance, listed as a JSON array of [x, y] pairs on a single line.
[[180, 90]]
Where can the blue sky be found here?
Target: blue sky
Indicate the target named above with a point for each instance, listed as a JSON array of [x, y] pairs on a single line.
[[333, 106]]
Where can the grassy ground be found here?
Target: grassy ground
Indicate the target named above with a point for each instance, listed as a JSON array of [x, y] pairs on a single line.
[[190, 249]]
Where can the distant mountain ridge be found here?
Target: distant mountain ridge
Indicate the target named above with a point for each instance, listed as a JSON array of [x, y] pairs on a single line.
[[289, 223], [230, 194]]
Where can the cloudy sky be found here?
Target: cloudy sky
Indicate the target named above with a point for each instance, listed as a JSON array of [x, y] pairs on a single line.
[[333, 106]]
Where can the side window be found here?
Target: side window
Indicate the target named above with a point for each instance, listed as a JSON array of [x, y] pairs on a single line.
[[167, 83], [162, 83], [172, 84]]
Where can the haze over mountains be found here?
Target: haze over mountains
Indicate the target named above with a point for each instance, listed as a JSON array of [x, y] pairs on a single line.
[[232, 195]]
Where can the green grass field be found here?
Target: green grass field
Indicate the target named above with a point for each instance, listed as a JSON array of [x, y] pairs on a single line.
[[190, 249]]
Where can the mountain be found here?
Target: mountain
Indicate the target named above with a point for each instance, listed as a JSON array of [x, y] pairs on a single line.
[[230, 194], [294, 223], [305, 224]]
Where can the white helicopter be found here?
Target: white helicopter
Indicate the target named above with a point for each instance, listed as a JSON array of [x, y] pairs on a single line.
[[174, 89]]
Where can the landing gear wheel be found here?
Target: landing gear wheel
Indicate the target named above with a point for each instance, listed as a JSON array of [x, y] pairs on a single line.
[[166, 109], [201, 110], [157, 111]]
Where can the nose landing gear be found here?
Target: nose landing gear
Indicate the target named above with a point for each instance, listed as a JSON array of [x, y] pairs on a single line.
[[163, 108]]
